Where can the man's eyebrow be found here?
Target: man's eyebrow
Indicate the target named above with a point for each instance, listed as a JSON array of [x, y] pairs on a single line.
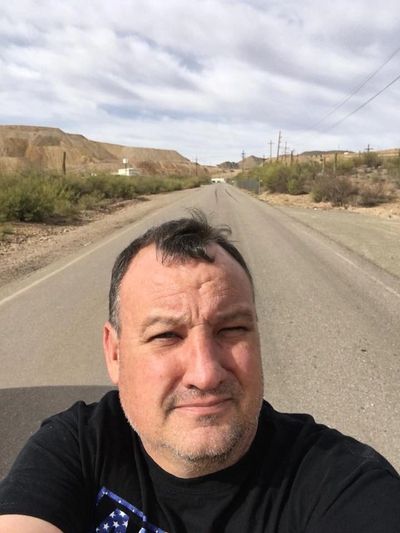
[[239, 314], [161, 319], [168, 320]]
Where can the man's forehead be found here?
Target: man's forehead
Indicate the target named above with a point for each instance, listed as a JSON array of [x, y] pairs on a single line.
[[149, 274]]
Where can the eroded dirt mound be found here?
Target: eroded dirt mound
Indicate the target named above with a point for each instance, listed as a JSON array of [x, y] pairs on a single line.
[[43, 148]]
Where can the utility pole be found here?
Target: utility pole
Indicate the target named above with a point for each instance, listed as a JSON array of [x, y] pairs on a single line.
[[279, 145], [270, 150], [196, 165], [291, 157], [335, 164], [243, 156], [64, 163]]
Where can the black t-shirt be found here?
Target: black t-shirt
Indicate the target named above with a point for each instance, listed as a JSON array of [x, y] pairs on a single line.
[[86, 470]]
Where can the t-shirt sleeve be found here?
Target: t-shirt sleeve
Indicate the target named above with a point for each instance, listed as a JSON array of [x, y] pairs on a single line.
[[46, 480], [369, 504], [352, 489]]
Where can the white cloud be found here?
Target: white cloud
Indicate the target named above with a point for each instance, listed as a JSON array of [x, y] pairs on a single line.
[[210, 77]]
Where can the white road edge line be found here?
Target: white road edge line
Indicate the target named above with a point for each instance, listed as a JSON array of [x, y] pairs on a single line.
[[54, 272], [373, 278]]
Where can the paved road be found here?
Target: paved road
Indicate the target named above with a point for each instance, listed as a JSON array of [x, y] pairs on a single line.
[[329, 323]]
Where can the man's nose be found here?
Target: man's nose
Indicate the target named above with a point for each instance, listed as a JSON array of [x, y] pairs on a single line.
[[204, 368]]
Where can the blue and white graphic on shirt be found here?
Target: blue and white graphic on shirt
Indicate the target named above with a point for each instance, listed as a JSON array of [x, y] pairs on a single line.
[[119, 519]]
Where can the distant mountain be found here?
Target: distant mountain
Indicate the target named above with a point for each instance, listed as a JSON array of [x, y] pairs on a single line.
[[228, 165], [43, 148], [246, 164]]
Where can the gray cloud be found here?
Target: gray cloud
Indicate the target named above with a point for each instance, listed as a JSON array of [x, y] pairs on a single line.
[[210, 81]]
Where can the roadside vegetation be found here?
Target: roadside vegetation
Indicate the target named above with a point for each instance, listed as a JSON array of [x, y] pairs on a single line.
[[57, 199], [364, 180]]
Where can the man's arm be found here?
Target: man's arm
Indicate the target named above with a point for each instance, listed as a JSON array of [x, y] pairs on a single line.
[[27, 524], [45, 488]]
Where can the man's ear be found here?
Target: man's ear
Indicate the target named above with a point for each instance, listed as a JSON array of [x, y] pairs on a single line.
[[111, 351]]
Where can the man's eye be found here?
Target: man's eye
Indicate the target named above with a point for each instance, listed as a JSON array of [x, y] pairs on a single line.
[[164, 335]]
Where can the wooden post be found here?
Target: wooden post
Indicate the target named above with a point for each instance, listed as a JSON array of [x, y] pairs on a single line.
[[279, 145], [64, 166]]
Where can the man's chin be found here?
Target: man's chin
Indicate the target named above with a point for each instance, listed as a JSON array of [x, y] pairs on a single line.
[[208, 443]]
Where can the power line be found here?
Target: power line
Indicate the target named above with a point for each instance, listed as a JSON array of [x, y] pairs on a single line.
[[362, 105], [358, 88]]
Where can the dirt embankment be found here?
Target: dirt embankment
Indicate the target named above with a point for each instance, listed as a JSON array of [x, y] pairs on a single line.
[[41, 148]]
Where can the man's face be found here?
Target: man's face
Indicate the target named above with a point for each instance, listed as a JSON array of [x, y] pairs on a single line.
[[187, 361]]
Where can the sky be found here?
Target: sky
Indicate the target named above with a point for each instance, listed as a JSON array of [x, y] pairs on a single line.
[[211, 79]]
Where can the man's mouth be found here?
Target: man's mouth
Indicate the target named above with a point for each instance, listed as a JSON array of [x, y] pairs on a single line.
[[204, 407]]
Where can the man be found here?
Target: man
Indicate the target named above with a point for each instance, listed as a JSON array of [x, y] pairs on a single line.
[[194, 447]]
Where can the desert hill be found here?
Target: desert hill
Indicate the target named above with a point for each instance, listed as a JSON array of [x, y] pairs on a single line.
[[230, 165], [251, 162], [43, 148], [244, 164]]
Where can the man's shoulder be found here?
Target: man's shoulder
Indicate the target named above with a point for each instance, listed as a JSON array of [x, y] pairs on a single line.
[[97, 417], [313, 447]]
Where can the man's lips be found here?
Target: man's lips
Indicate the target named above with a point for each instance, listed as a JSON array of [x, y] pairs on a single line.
[[204, 406]]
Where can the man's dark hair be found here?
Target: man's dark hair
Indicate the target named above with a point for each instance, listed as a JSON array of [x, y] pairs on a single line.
[[177, 240]]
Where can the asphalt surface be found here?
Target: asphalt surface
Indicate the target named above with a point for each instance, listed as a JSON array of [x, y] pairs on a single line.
[[329, 322]]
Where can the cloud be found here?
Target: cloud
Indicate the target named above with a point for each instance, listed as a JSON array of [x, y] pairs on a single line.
[[224, 76]]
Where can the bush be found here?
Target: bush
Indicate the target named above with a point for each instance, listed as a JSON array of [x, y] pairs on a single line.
[[371, 159], [276, 177], [296, 185], [35, 198], [338, 190], [373, 194], [345, 166]]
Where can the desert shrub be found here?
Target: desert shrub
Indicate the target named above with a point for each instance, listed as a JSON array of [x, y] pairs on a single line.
[[36, 198], [345, 166], [374, 193], [282, 178], [392, 165], [371, 159], [102, 186], [337, 190], [275, 178], [90, 201], [309, 170], [296, 185]]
